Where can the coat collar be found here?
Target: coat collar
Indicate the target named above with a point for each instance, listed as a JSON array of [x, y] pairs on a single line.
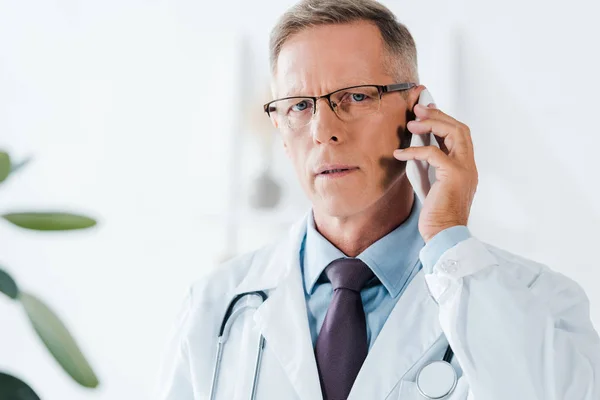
[[411, 329], [268, 268]]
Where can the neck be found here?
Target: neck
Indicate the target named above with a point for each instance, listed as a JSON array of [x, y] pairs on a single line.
[[353, 234]]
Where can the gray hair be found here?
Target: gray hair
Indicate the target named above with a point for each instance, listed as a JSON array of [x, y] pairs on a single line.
[[397, 40]]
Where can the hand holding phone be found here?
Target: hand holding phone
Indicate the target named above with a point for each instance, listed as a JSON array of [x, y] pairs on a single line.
[[447, 187]]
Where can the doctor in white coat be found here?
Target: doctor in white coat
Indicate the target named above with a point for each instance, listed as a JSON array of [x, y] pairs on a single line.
[[518, 330]]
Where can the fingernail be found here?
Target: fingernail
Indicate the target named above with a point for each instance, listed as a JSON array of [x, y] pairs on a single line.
[[432, 105]]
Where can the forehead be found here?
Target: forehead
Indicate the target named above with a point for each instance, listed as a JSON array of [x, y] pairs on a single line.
[[324, 58]]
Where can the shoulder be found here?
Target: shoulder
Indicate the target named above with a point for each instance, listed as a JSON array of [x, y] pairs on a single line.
[[542, 279], [192, 337], [207, 298], [213, 287]]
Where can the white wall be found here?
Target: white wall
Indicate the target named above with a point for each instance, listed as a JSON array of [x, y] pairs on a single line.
[[127, 108]]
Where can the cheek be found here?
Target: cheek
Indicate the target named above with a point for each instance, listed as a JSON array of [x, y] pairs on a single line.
[[298, 150], [380, 139], [393, 125], [378, 144]]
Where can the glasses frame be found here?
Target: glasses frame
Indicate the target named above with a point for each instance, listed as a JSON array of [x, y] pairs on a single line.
[[394, 87]]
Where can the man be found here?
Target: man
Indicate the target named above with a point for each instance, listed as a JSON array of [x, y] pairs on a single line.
[[373, 284]]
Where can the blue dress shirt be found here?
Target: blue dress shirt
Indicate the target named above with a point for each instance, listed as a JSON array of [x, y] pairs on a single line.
[[394, 259]]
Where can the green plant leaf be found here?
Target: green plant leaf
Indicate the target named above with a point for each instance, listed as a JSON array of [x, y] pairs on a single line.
[[12, 388], [4, 165], [49, 221], [8, 286], [58, 340]]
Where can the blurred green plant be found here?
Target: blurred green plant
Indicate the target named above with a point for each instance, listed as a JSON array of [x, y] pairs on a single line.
[[45, 322]]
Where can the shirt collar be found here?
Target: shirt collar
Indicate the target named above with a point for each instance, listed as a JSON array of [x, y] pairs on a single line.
[[391, 258]]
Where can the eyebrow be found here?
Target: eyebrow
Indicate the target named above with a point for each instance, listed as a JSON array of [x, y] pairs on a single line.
[[293, 92], [294, 89]]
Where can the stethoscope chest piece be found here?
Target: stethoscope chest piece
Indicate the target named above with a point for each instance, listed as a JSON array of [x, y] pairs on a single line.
[[436, 380]]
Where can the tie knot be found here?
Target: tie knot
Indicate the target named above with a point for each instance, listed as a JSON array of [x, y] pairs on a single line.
[[348, 273]]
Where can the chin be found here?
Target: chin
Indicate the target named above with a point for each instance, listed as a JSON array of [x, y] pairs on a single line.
[[342, 206]]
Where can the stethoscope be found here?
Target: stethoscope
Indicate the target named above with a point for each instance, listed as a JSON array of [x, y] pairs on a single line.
[[435, 380], [228, 319]]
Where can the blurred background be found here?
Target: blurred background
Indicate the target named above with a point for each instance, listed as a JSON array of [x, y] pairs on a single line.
[[146, 115]]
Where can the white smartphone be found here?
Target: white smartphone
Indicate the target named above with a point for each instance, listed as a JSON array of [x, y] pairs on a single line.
[[420, 174]]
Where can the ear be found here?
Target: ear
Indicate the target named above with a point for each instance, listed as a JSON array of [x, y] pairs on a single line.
[[413, 97], [412, 100]]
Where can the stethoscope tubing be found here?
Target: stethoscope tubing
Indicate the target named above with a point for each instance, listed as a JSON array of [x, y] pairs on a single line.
[[230, 316]]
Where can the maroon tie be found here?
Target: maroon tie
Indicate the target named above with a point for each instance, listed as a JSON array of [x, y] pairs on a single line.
[[342, 344]]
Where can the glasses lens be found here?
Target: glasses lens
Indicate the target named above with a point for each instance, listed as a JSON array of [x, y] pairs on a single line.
[[356, 102], [292, 113]]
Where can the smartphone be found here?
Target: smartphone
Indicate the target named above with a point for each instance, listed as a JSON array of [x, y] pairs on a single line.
[[420, 174]]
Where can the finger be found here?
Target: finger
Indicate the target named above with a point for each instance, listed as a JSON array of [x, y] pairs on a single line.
[[439, 140], [431, 154], [432, 112], [451, 135]]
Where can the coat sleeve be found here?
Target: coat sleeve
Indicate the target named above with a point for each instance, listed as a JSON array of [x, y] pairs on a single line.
[[174, 379], [518, 329]]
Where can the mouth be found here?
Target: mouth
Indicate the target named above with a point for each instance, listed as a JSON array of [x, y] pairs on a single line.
[[336, 171]]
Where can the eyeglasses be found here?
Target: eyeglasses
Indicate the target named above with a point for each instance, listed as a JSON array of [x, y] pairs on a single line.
[[348, 104]]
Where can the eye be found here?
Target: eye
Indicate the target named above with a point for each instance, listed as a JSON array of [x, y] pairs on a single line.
[[357, 95], [300, 106]]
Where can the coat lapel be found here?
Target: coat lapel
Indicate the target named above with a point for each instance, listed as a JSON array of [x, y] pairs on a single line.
[[282, 319], [411, 329]]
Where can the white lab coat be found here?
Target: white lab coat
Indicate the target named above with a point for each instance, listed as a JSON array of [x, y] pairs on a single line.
[[518, 330]]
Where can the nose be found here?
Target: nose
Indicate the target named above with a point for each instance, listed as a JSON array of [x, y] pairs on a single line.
[[325, 126]]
